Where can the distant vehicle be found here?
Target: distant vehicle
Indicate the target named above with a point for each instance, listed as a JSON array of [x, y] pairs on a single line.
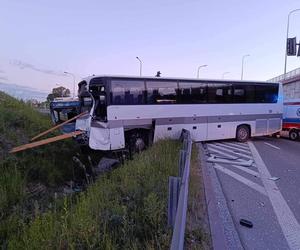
[[134, 111], [62, 109], [291, 119]]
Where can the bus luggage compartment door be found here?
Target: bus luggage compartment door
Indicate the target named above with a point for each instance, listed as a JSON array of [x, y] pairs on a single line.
[[117, 138]]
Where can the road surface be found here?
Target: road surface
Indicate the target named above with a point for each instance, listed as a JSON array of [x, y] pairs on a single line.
[[260, 181]]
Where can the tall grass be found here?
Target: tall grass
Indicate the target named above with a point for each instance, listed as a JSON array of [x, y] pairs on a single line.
[[124, 209], [50, 165]]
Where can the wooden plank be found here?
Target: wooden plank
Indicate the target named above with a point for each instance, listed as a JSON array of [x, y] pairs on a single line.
[[58, 126], [45, 141]]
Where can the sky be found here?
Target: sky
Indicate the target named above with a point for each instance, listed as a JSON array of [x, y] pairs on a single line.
[[42, 39]]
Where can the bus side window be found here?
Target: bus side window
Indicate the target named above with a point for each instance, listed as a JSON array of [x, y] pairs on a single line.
[[266, 94], [243, 94], [192, 92], [128, 92], [161, 92], [219, 93]]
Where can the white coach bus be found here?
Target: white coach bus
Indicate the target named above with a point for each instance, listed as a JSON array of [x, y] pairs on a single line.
[[134, 111]]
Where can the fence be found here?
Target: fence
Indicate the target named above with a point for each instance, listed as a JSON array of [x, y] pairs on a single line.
[[287, 76], [178, 194]]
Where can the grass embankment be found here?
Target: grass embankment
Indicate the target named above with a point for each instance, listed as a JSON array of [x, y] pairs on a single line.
[[47, 165], [124, 209], [197, 229]]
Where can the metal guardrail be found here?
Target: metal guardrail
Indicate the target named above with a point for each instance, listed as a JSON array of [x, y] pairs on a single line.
[[286, 76], [178, 194]]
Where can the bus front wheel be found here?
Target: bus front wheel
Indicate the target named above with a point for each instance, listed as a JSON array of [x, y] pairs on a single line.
[[293, 134], [242, 133]]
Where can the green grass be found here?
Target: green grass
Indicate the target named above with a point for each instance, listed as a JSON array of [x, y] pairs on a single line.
[[50, 165], [124, 209]]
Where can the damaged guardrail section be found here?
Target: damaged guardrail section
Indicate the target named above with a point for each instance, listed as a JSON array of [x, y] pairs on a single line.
[[178, 193]]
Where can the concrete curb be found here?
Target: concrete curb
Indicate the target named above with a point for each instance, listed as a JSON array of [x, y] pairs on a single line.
[[223, 232]]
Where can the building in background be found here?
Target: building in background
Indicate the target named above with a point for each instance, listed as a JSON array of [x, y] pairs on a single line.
[[291, 84]]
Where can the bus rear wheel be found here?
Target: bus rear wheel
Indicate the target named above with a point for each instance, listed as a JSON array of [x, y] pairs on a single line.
[[242, 133], [293, 134], [136, 141]]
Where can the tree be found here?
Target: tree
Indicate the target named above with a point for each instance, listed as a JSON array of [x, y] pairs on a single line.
[[58, 92]]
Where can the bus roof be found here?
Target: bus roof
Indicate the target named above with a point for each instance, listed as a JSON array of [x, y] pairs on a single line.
[[174, 78]]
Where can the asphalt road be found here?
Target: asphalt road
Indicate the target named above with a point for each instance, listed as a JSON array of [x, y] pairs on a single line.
[[248, 174]]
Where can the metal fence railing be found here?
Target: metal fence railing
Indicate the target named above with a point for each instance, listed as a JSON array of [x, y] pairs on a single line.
[[178, 194], [287, 76]]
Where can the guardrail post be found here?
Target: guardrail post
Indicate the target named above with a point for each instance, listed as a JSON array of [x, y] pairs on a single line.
[[182, 159], [185, 144], [178, 194], [174, 188]]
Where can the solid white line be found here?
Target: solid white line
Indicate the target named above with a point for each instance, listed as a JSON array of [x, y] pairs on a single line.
[[286, 219], [241, 179], [245, 151], [271, 145], [230, 151]]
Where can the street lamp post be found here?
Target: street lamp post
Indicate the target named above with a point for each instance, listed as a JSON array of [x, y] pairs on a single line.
[[68, 73], [287, 36], [201, 66], [243, 58], [141, 65], [225, 73]]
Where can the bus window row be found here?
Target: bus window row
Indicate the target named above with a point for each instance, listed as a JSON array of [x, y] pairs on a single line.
[[155, 92]]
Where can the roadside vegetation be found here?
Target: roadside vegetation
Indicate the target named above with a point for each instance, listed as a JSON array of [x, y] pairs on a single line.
[[124, 208], [27, 177]]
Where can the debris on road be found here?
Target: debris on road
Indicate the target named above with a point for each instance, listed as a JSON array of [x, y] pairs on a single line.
[[105, 165], [274, 178], [261, 203], [242, 163], [246, 223], [225, 157]]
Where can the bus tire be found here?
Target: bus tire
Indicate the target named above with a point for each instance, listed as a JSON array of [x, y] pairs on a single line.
[[242, 133], [294, 134], [136, 141]]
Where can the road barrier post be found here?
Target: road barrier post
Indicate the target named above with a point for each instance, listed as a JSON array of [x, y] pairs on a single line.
[[174, 188], [182, 159]]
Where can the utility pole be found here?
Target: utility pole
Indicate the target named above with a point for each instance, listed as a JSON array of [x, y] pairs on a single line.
[[199, 67], [287, 36], [141, 65], [243, 58], [225, 73], [68, 73]]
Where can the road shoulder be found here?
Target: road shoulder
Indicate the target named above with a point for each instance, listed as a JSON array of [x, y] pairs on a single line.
[[223, 231]]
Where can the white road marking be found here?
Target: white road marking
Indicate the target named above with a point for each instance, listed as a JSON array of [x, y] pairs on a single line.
[[286, 219], [246, 151], [247, 170], [271, 145], [241, 179], [225, 157], [218, 160], [242, 146], [229, 151], [223, 153]]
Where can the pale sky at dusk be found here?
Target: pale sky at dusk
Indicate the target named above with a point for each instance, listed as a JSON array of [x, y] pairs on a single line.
[[175, 37]]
